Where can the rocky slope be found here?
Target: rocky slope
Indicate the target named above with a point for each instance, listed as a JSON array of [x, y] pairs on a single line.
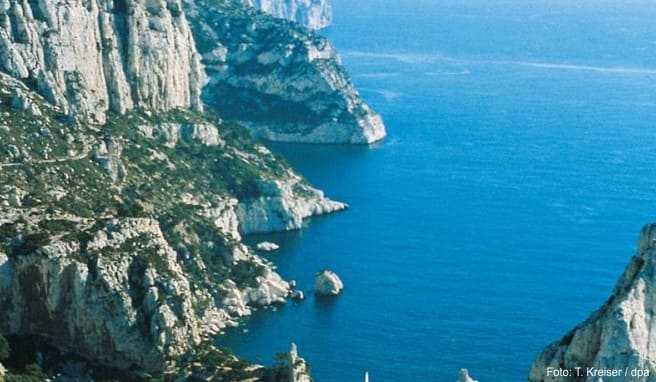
[[123, 203], [120, 245], [619, 337], [313, 14], [282, 81]]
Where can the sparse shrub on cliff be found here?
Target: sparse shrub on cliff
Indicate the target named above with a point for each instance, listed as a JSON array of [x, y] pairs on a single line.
[[4, 348]]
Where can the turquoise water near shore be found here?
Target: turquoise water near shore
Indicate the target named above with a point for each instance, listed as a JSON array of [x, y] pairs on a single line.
[[519, 168]]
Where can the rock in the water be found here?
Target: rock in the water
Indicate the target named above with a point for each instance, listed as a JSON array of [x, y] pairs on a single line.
[[297, 295], [620, 335], [314, 14], [327, 283], [464, 376], [294, 368], [267, 246]]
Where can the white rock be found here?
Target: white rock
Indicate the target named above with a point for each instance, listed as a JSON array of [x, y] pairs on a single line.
[[297, 295], [327, 283], [282, 207], [314, 14], [267, 246], [464, 376], [297, 369]]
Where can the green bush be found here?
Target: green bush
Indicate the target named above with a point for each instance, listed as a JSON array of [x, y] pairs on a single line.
[[32, 373], [4, 348]]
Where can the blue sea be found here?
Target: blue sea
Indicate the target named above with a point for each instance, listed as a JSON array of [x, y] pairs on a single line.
[[506, 201]]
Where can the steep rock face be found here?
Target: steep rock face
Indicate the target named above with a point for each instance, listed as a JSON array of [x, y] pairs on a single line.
[[313, 14], [90, 57], [124, 301], [282, 81], [619, 336]]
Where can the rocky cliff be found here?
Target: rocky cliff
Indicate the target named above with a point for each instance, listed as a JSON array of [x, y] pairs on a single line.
[[90, 57], [120, 244], [313, 14], [282, 81], [617, 342], [123, 202]]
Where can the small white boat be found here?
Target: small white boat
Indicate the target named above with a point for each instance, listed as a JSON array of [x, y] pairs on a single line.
[[366, 376]]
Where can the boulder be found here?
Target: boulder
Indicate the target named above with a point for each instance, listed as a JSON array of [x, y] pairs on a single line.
[[267, 246], [327, 283], [464, 376]]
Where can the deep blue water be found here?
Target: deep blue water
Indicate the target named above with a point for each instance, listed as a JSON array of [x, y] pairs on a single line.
[[519, 169]]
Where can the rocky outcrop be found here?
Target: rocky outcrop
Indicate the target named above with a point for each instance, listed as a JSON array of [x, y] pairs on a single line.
[[327, 283], [465, 377], [282, 81], [618, 338], [90, 57], [313, 14], [122, 301], [293, 368], [267, 246], [283, 205]]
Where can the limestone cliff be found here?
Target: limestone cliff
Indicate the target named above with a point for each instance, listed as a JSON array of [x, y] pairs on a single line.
[[617, 337], [121, 245], [282, 81], [90, 57], [313, 14]]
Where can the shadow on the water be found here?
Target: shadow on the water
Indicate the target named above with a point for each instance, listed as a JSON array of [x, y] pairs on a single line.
[[326, 305]]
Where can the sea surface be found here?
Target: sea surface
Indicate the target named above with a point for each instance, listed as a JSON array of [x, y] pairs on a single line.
[[506, 201]]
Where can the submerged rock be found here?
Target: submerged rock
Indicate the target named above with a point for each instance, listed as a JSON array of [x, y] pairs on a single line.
[[464, 376], [313, 14], [327, 283], [617, 337], [267, 246]]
